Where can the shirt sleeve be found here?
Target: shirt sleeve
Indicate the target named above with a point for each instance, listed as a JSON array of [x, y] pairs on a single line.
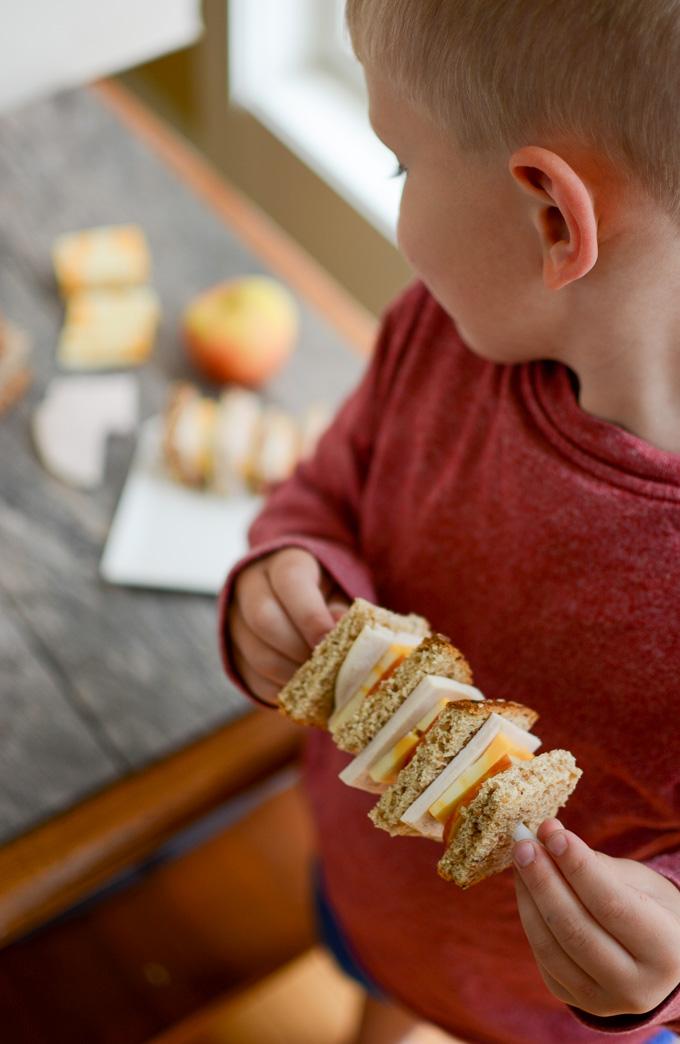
[[319, 508], [666, 1014]]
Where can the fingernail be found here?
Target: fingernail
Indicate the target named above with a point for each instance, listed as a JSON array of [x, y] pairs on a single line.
[[524, 854], [557, 843]]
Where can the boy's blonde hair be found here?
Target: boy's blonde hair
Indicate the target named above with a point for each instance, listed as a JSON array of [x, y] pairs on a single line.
[[605, 73]]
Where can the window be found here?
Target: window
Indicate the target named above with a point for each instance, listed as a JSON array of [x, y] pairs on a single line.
[[291, 66]]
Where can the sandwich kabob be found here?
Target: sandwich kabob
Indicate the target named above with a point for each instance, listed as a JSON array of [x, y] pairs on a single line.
[[444, 762], [235, 444]]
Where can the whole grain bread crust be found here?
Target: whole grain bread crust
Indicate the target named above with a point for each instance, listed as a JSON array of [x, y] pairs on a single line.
[[453, 728], [181, 395], [434, 655], [526, 793], [309, 696]]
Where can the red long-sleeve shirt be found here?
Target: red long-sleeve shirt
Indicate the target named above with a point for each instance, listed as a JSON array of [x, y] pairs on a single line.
[[546, 544]]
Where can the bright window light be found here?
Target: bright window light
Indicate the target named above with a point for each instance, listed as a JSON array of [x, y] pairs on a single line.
[[291, 65]]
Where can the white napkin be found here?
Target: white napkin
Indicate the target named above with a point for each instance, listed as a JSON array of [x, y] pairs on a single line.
[[74, 420]]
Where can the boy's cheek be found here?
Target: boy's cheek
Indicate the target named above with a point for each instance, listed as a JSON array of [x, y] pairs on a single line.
[[424, 235]]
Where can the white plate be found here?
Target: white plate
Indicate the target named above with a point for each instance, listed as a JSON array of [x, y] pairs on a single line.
[[165, 535]]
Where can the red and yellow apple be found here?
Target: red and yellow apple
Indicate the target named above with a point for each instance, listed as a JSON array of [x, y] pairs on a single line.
[[243, 330]]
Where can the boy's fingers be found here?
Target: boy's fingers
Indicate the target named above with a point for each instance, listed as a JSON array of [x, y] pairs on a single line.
[[556, 987], [575, 930], [556, 966], [266, 617], [548, 827], [269, 663], [258, 685], [636, 921], [295, 579]]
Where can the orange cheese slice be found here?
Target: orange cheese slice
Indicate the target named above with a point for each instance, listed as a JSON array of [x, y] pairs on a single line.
[[499, 747], [453, 821], [387, 768], [386, 666]]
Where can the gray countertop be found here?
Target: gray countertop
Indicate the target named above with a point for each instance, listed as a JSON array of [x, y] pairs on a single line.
[[97, 681]]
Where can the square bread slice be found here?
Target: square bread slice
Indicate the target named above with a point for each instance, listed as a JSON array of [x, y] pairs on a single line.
[[434, 655], [457, 723], [526, 793], [106, 329], [309, 696], [109, 256]]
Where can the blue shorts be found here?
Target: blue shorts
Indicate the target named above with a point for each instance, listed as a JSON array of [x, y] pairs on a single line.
[[333, 938]]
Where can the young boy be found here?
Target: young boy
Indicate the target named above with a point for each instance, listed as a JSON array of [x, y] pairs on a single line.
[[509, 467]]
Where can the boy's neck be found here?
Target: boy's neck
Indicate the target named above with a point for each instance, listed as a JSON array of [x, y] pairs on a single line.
[[641, 397], [624, 346]]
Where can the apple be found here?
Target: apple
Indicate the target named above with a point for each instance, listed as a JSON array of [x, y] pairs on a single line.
[[242, 331]]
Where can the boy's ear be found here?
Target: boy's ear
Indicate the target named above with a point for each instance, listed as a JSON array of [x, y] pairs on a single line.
[[566, 221]]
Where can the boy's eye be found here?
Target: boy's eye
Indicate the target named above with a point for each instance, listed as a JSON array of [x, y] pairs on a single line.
[[401, 169]]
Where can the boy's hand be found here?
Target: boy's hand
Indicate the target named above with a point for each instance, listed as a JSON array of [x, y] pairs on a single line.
[[605, 932], [282, 606]]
